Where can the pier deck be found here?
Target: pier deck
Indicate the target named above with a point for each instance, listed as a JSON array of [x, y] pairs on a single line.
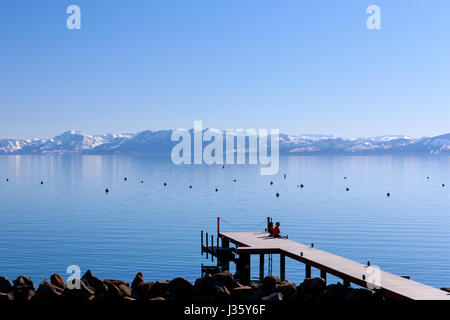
[[350, 271]]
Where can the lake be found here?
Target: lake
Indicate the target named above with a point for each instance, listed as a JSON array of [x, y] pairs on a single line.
[[155, 229]]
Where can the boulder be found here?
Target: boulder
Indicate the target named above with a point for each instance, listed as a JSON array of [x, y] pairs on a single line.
[[269, 283], [137, 279], [115, 282], [5, 285], [313, 285], [23, 289], [57, 280], [360, 295], [84, 293], [276, 296], [94, 282], [220, 291], [23, 282], [180, 287], [48, 292], [203, 285], [257, 295], [159, 289], [242, 293], [287, 288], [6, 297], [143, 289], [336, 292], [113, 293], [226, 278]]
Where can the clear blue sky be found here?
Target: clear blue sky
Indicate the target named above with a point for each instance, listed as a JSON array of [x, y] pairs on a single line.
[[300, 66]]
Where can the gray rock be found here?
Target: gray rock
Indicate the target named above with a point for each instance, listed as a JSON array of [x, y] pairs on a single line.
[[94, 282], [116, 282], [5, 285], [242, 293], [48, 292], [226, 278], [84, 293], [23, 289], [269, 283], [276, 296], [57, 280], [313, 285], [137, 279], [6, 297], [159, 289], [287, 288], [180, 287]]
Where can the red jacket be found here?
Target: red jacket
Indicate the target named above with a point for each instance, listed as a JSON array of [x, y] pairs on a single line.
[[276, 232]]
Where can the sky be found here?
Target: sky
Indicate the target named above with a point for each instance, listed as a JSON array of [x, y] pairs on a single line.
[[295, 65]]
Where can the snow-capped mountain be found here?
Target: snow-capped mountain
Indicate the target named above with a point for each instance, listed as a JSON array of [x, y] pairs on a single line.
[[159, 143]]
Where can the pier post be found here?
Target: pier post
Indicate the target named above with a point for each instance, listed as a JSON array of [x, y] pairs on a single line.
[[206, 245], [307, 271], [201, 234], [243, 269], [223, 258], [323, 275], [212, 248], [218, 226], [268, 223], [261, 266], [282, 267]]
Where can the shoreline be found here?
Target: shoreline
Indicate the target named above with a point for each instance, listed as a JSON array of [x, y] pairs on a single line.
[[220, 287]]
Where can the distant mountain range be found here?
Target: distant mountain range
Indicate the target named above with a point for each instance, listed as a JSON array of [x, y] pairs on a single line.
[[159, 143]]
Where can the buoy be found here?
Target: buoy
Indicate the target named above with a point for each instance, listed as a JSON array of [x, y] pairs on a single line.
[[125, 179], [7, 179], [443, 185], [271, 182], [388, 194], [217, 189], [42, 182], [285, 175], [223, 167], [428, 177], [106, 190], [301, 186], [190, 187], [142, 181], [165, 184], [277, 194], [345, 177], [234, 180], [347, 189]]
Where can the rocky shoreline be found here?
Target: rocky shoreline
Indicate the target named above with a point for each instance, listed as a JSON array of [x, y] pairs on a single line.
[[219, 287]]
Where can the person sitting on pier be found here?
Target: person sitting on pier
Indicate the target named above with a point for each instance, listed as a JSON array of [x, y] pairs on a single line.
[[276, 230]]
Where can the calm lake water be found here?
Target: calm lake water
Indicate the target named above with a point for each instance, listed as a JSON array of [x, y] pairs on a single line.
[[156, 230]]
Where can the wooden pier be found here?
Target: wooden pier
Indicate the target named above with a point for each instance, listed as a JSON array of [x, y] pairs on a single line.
[[261, 243]]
